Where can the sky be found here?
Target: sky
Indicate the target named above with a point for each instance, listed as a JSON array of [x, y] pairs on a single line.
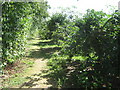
[[83, 5]]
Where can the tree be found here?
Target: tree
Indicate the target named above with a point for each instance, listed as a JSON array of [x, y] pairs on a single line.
[[56, 19]]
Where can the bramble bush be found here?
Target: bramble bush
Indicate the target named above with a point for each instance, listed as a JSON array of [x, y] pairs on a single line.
[[91, 46]]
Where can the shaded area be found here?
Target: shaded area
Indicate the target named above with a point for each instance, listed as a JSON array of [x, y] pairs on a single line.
[[46, 50], [45, 43], [31, 82], [43, 53], [90, 75], [33, 79], [77, 74]]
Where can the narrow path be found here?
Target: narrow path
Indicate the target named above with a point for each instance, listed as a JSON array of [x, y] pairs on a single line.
[[35, 76]]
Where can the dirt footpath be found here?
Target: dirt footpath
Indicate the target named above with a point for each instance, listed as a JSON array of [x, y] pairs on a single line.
[[35, 76]]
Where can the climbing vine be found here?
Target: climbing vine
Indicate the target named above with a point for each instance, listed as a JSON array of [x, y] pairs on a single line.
[[18, 19]]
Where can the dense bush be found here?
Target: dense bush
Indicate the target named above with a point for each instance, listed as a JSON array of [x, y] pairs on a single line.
[[92, 52], [18, 19], [14, 25], [39, 15], [52, 24]]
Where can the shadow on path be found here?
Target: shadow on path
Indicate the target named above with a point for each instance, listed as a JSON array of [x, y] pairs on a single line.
[[45, 43], [46, 50], [40, 78], [37, 78]]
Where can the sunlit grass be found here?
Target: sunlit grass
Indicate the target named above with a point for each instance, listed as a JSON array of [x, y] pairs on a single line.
[[45, 40], [0, 38], [28, 62], [80, 58], [14, 81], [49, 46]]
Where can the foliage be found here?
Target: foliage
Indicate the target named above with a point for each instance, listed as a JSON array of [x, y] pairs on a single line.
[[39, 15], [18, 20], [94, 38], [89, 49], [13, 30], [52, 24]]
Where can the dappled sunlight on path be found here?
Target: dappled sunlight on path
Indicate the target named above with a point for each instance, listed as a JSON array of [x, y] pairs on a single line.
[[36, 76]]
